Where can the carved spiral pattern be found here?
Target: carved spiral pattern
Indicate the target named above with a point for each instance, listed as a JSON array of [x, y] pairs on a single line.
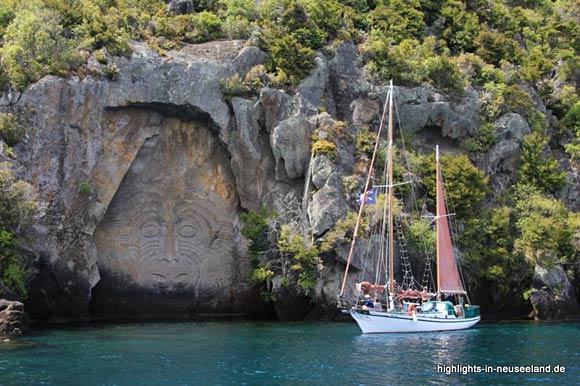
[[170, 226]]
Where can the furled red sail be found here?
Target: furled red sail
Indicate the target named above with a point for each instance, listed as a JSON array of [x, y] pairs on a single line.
[[449, 280]]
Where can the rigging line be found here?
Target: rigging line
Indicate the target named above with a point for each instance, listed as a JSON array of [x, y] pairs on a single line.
[[414, 200], [407, 163], [368, 180], [366, 257], [383, 249], [369, 255], [364, 267], [393, 185], [408, 277], [383, 221], [462, 278], [428, 274]]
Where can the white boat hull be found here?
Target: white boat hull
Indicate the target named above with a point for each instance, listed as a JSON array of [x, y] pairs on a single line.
[[373, 322]]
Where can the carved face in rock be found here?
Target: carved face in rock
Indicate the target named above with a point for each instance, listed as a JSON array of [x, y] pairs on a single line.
[[169, 226], [170, 243]]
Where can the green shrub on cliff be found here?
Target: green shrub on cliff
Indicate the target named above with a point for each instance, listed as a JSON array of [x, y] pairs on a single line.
[[255, 231], [571, 122], [13, 267], [396, 20], [234, 86], [291, 30], [421, 235], [16, 210], [412, 63], [35, 45], [11, 131], [301, 259], [6, 16], [494, 47], [545, 226], [461, 26], [398, 34], [16, 203], [278, 250], [538, 167], [197, 28], [495, 270], [292, 58], [465, 185], [482, 141], [323, 146], [500, 98]]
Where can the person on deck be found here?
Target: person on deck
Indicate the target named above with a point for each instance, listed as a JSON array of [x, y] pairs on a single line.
[[367, 303]]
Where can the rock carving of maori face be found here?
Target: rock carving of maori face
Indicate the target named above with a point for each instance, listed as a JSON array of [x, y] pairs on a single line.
[[166, 228], [173, 241]]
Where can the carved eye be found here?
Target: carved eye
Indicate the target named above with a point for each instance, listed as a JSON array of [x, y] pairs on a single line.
[[159, 279], [187, 231], [182, 277], [151, 229]]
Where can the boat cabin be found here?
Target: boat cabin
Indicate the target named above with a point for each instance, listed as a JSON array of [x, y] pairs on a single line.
[[438, 307]]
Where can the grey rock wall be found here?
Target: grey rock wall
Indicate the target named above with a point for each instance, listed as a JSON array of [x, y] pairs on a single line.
[[160, 222], [552, 294]]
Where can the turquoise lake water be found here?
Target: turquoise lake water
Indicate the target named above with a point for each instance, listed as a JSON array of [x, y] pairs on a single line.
[[269, 353]]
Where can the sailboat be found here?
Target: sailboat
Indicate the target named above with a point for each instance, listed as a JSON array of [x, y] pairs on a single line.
[[407, 309]]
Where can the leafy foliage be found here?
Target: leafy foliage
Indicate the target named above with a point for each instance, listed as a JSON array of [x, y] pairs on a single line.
[[35, 45], [544, 225], [234, 86], [11, 131], [538, 167], [324, 147], [397, 20], [461, 26], [465, 185], [13, 269], [482, 141], [16, 209], [571, 122], [495, 269], [255, 230], [495, 47], [410, 41], [421, 235], [85, 187], [302, 257], [277, 249]]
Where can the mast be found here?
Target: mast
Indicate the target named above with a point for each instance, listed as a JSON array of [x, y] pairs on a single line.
[[437, 218], [367, 183], [390, 197]]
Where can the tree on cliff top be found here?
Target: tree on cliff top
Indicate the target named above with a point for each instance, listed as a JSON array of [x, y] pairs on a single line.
[[35, 45]]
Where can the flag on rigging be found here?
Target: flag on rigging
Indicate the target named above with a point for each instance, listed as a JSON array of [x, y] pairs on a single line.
[[371, 197]]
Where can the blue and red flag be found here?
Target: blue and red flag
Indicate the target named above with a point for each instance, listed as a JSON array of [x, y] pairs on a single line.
[[371, 197]]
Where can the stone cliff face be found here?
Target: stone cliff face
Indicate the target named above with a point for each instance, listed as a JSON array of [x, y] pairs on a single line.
[[171, 165], [158, 234]]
